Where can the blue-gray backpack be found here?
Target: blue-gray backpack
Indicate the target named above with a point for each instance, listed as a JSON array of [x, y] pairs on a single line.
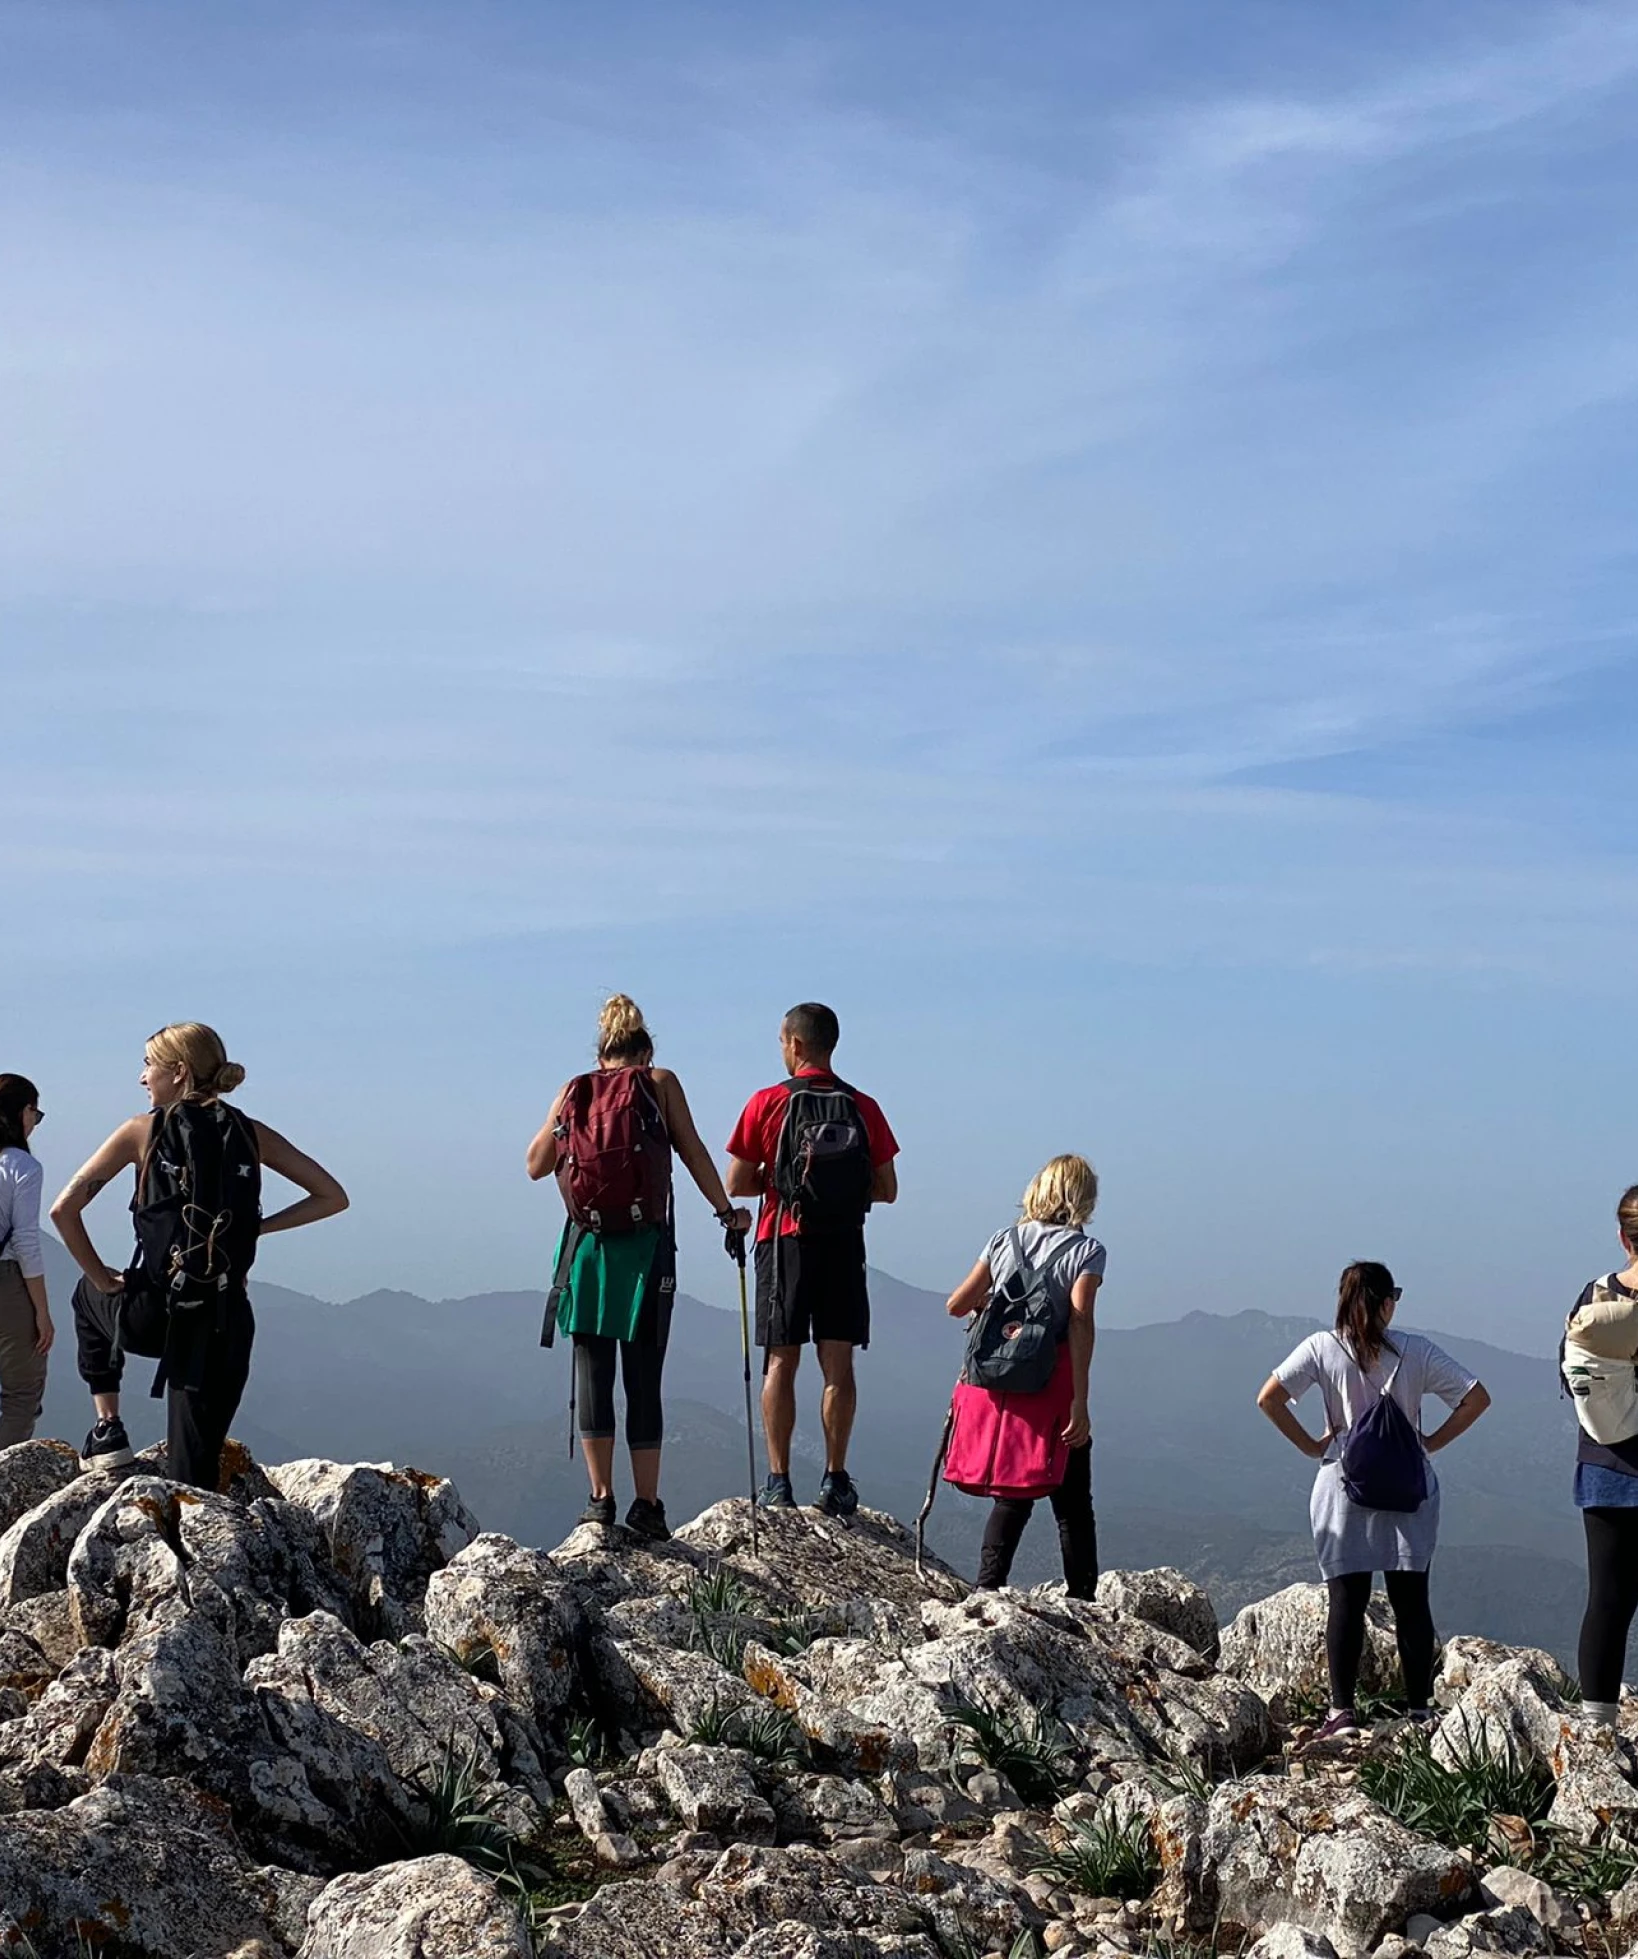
[[1013, 1346], [1384, 1466]]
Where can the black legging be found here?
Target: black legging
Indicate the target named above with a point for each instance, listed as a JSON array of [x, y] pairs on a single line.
[[1612, 1599], [200, 1414], [1077, 1530], [642, 1362], [1412, 1627]]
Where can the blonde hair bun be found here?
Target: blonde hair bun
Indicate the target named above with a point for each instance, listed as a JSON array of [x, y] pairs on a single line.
[[1064, 1191], [622, 1033], [197, 1050]]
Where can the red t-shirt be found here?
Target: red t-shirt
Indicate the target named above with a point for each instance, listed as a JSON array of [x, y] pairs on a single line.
[[756, 1140]]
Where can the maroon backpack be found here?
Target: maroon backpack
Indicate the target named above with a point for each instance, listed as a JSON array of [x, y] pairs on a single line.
[[613, 1153]]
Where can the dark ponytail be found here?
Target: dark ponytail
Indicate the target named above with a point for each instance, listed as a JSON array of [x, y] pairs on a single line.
[[1364, 1300], [17, 1093]]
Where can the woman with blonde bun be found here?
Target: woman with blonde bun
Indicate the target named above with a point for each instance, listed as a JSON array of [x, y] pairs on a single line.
[[197, 1210], [1049, 1243], [608, 1137]]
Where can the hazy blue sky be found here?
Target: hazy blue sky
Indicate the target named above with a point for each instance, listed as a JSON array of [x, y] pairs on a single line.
[[1099, 540]]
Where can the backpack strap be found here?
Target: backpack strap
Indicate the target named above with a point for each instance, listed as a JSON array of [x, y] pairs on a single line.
[[572, 1235]]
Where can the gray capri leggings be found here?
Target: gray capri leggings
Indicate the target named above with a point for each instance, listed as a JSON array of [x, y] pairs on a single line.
[[642, 1361]]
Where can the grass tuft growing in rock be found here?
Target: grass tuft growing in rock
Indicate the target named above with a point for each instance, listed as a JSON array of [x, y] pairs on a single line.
[[586, 1744], [1454, 1804], [765, 1731], [1107, 1858], [793, 1632], [1185, 1779], [1032, 1754], [1458, 1804], [720, 1594], [459, 1816]]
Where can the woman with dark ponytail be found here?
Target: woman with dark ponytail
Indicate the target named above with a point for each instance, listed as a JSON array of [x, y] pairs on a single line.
[[1353, 1367], [25, 1313]]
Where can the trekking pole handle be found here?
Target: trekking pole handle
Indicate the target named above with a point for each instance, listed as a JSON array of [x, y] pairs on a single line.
[[733, 1242]]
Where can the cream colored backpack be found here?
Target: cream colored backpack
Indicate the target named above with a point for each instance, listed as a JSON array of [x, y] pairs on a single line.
[[1599, 1362]]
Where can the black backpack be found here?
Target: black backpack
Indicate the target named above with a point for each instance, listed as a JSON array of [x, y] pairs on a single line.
[[822, 1171], [198, 1213], [1384, 1466], [1013, 1346]]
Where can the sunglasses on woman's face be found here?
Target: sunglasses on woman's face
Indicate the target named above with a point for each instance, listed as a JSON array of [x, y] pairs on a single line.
[[1396, 1293], [38, 1113]]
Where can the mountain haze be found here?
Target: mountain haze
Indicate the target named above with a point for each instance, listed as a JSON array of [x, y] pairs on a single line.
[[1187, 1472]]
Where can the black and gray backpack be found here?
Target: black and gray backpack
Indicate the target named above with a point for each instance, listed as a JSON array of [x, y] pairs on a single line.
[[1013, 1345], [198, 1213], [822, 1172]]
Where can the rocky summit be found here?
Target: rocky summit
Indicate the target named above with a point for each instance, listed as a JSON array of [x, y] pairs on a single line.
[[321, 1714]]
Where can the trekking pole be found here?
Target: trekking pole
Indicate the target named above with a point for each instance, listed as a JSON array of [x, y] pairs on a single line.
[[932, 1491], [736, 1251]]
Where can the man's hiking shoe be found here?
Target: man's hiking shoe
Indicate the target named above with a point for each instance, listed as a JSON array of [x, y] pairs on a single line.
[[600, 1510], [647, 1519], [107, 1446], [837, 1496], [777, 1494]]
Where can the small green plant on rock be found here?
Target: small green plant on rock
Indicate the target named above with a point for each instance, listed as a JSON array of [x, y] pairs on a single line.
[[771, 1735], [720, 1594], [1033, 1754], [761, 1729], [793, 1632], [586, 1744], [459, 1816], [1454, 1802], [1107, 1858], [713, 1726], [1185, 1779]]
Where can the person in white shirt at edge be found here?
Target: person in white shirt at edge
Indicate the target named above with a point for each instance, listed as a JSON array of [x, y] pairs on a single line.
[[1352, 1367], [26, 1331]]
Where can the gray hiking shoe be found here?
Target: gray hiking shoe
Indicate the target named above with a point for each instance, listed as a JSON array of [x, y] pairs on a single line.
[[599, 1510], [837, 1495], [777, 1494]]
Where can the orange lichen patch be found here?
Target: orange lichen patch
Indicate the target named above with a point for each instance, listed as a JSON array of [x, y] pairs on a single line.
[[118, 1911], [1243, 1806], [103, 1756], [1456, 1883], [423, 1482], [236, 1461], [766, 1679], [872, 1749]]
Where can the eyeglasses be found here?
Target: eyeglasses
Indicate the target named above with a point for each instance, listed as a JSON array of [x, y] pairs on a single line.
[[1396, 1293], [38, 1114]]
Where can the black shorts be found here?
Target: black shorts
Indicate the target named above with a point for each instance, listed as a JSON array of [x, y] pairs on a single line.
[[821, 1294]]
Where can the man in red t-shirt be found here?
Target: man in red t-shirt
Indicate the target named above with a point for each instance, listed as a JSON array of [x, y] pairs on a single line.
[[810, 1252]]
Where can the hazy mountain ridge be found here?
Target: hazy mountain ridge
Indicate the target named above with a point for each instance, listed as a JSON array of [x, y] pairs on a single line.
[[1187, 1472]]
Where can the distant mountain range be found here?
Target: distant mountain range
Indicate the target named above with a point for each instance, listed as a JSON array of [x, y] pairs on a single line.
[[1187, 1472]]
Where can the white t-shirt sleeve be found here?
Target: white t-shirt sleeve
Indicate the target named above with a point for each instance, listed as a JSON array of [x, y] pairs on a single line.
[[1300, 1371], [1445, 1378]]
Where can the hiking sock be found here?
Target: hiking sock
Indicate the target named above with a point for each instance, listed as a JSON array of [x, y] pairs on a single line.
[[1605, 1713]]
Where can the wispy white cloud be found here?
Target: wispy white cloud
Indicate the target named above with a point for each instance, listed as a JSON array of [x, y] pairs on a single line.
[[490, 557]]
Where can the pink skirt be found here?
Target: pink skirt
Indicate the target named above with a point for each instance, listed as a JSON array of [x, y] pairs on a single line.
[[1011, 1444]]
